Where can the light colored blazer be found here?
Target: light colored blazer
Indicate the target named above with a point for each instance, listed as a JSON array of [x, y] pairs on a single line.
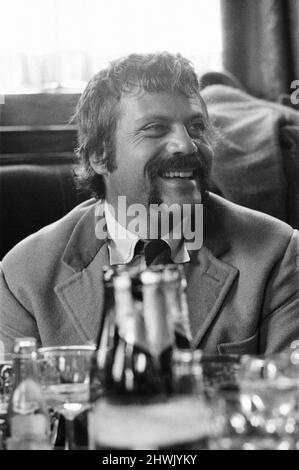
[[243, 284]]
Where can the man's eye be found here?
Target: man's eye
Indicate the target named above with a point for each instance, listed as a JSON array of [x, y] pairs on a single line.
[[155, 129], [196, 129]]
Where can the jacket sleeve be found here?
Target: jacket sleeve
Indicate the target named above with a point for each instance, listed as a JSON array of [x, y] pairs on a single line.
[[15, 320], [280, 321]]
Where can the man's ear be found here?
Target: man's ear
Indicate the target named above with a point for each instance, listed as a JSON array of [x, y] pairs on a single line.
[[99, 163]]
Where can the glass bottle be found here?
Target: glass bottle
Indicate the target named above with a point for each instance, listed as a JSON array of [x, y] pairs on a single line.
[[101, 360], [135, 369], [139, 373], [159, 325], [28, 417]]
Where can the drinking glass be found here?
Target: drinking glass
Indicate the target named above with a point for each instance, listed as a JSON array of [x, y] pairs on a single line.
[[269, 390], [220, 373], [256, 398], [6, 379], [6, 384], [221, 387], [65, 378]]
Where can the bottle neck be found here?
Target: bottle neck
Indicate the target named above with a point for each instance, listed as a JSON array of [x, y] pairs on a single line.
[[108, 317], [176, 303], [26, 366], [126, 315], [159, 324]]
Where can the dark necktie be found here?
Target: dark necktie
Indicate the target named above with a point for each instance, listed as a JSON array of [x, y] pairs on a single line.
[[157, 252]]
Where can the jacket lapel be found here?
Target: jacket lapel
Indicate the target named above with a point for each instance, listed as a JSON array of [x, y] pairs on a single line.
[[82, 297], [82, 293], [209, 280]]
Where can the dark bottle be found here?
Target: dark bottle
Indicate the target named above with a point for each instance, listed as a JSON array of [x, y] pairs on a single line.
[[136, 368], [28, 416], [138, 375], [101, 361], [159, 325], [121, 364]]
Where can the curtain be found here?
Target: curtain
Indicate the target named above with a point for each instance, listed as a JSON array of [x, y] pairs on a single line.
[[261, 44]]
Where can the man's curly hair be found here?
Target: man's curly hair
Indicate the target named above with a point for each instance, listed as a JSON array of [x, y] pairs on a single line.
[[96, 112]]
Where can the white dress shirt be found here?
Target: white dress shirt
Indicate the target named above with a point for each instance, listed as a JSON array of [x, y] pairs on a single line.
[[122, 247]]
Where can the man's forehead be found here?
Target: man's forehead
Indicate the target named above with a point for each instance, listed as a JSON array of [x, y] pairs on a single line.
[[144, 104]]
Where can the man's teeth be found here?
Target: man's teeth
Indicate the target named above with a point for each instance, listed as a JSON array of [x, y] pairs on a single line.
[[177, 174]]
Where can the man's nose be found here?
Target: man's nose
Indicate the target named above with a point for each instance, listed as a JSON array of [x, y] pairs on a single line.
[[180, 142]]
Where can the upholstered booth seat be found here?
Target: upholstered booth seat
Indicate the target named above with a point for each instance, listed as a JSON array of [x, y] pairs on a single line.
[[33, 195]]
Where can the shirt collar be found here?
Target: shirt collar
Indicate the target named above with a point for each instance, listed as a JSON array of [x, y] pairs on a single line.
[[122, 242]]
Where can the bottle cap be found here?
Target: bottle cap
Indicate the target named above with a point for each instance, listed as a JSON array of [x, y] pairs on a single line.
[[25, 344], [122, 281], [151, 277], [171, 275], [186, 356], [108, 273]]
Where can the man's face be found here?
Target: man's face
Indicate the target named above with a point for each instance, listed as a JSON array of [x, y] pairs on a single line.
[[160, 146]]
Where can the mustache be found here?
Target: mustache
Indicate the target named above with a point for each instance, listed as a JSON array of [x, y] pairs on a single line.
[[160, 164]]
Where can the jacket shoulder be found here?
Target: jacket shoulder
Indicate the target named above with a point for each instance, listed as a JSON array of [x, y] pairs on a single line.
[[42, 250], [250, 231]]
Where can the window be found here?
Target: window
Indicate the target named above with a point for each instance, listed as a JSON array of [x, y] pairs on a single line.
[[49, 44]]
